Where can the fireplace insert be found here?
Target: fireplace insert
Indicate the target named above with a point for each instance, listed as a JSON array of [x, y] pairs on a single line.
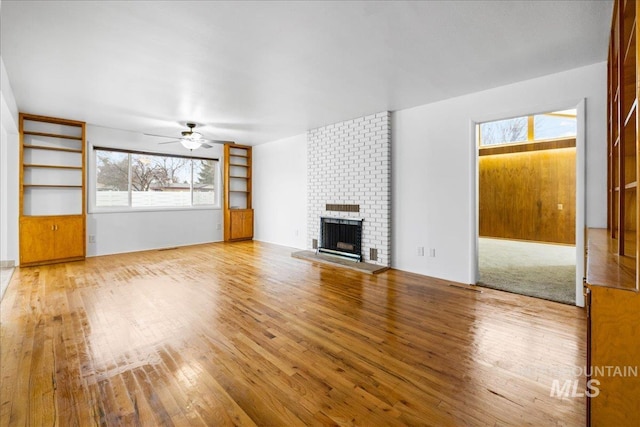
[[341, 236]]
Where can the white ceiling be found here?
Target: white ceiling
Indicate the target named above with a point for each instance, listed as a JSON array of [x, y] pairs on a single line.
[[254, 72]]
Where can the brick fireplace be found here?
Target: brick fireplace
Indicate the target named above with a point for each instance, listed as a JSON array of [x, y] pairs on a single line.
[[349, 176]]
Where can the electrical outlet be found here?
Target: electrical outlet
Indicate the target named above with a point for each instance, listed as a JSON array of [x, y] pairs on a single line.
[[420, 250], [297, 232], [218, 226], [92, 238], [432, 252]]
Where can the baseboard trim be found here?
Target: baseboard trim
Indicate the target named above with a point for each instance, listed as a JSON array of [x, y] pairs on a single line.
[[7, 264]]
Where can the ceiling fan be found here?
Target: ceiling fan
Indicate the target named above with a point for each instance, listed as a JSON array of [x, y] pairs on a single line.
[[191, 139]]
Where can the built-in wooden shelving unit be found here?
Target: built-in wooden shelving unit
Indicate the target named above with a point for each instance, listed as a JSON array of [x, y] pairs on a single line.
[[612, 291], [52, 190], [238, 213]]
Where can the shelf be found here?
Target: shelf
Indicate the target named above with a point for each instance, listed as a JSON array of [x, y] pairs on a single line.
[[604, 266], [52, 135], [623, 109], [238, 191], [631, 113], [50, 186], [235, 164], [630, 43], [241, 177], [243, 156], [44, 147], [52, 166]]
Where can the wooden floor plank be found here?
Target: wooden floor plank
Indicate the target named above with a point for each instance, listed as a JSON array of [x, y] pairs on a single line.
[[244, 334]]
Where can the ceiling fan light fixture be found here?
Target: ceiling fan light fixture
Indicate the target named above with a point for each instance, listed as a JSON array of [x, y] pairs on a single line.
[[191, 143], [191, 139]]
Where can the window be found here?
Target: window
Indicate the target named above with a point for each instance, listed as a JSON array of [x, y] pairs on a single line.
[[561, 124], [555, 125], [504, 131], [204, 172], [112, 179], [149, 180]]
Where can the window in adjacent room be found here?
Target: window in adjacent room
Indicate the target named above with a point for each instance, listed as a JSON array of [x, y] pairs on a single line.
[[538, 127]]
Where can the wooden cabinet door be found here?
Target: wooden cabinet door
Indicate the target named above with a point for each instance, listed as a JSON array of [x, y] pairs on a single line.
[[241, 224], [247, 224], [236, 218], [69, 237], [36, 239], [615, 338]]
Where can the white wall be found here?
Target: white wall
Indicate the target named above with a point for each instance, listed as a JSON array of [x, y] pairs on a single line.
[[8, 171], [118, 232], [139, 231], [280, 191], [433, 155]]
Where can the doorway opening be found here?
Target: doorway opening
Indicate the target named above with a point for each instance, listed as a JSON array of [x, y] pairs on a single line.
[[527, 205]]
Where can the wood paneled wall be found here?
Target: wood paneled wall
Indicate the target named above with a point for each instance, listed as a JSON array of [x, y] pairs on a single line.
[[521, 189]]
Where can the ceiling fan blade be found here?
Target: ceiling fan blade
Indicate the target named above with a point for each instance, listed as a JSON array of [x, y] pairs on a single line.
[[159, 136], [204, 142], [217, 141]]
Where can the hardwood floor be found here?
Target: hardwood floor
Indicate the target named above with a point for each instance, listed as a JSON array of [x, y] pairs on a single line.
[[244, 334]]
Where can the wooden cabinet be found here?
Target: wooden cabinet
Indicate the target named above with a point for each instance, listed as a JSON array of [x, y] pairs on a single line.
[[612, 291], [238, 214], [52, 190], [614, 321], [47, 239], [241, 224]]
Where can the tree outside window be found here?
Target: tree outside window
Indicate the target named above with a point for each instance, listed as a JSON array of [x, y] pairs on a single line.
[[112, 178], [203, 189]]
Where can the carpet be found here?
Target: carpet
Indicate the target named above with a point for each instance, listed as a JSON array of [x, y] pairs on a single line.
[[535, 269]]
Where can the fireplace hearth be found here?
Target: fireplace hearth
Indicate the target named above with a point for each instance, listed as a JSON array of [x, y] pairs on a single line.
[[342, 237]]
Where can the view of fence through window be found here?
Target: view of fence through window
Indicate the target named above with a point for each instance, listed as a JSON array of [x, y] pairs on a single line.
[[151, 180], [559, 124]]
